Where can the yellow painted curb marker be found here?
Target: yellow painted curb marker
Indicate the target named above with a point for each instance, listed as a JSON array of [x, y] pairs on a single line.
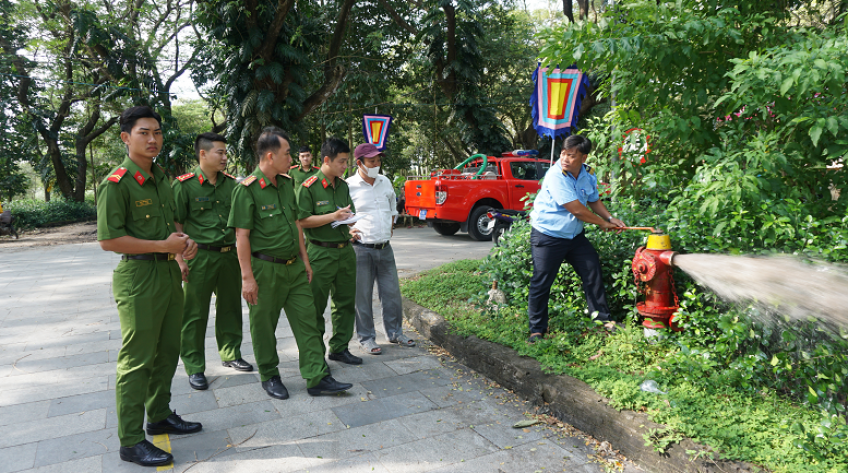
[[163, 442]]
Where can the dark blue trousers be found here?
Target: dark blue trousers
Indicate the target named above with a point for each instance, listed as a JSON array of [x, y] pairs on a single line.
[[548, 254]]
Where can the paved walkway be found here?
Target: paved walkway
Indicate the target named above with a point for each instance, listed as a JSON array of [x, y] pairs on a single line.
[[409, 411]]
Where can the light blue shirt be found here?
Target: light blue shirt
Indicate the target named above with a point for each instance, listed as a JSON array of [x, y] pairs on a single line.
[[548, 215]]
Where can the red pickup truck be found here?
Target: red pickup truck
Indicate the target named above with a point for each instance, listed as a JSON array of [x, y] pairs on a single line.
[[457, 199]]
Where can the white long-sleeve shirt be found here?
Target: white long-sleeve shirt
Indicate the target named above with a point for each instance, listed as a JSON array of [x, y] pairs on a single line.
[[377, 203]]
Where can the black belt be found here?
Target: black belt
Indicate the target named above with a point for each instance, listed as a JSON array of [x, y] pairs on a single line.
[[150, 257], [373, 246], [220, 249], [329, 245], [272, 259]]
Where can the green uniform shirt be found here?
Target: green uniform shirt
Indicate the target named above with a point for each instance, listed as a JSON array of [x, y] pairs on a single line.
[[132, 202], [318, 197], [268, 211], [203, 208], [299, 175]]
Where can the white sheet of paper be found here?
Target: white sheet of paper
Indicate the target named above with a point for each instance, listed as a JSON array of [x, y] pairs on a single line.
[[352, 219]]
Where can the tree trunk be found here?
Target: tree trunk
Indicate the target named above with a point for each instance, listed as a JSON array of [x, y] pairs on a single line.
[[528, 138], [568, 10], [584, 9]]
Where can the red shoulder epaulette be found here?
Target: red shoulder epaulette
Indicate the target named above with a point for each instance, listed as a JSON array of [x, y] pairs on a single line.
[[248, 180], [185, 176], [315, 168], [231, 177], [310, 181], [117, 175]]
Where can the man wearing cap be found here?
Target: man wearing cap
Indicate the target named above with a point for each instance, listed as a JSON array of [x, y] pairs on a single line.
[[203, 206], [306, 169], [275, 269], [561, 208], [323, 199], [135, 217], [374, 197]]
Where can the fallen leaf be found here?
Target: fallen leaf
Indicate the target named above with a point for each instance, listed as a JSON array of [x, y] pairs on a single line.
[[525, 423]]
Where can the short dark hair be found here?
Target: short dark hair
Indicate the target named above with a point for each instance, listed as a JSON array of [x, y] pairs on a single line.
[[204, 142], [269, 141], [304, 149], [333, 147], [133, 114], [583, 144]]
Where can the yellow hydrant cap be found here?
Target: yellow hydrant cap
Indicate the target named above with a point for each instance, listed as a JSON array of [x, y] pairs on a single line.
[[659, 242]]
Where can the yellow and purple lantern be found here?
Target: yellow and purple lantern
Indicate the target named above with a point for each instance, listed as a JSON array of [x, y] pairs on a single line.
[[555, 103], [375, 128]]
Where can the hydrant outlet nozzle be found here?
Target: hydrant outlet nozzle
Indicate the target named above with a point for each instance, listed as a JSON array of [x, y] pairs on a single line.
[[667, 257]]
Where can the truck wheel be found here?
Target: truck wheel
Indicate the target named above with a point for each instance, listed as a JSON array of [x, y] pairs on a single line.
[[478, 223], [446, 228]]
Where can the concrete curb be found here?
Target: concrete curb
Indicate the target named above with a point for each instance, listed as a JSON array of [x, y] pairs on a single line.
[[566, 398]]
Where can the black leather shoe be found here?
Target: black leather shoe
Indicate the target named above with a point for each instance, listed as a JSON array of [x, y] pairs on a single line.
[[145, 453], [198, 381], [238, 364], [328, 386], [346, 357], [173, 424], [274, 387]]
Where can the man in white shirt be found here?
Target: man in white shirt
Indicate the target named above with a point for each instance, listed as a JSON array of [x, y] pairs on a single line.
[[374, 198]]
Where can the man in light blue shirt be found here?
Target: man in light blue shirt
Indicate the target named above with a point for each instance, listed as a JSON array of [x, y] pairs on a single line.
[[559, 212]]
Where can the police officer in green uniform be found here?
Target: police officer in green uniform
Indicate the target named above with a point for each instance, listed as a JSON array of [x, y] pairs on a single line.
[[275, 269], [306, 169], [323, 199], [135, 217], [203, 207]]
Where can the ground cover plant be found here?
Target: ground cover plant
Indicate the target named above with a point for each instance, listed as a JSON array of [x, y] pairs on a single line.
[[744, 383], [31, 213]]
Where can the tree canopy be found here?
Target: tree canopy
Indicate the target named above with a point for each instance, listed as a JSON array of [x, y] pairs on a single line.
[[454, 74]]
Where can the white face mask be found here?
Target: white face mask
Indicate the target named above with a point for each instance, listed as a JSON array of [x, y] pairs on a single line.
[[372, 173]]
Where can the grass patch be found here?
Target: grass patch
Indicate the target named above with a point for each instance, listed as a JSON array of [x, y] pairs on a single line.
[[701, 403]]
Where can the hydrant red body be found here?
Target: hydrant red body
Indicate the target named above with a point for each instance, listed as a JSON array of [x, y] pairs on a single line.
[[653, 270]]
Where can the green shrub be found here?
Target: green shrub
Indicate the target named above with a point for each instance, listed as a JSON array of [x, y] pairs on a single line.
[[34, 213]]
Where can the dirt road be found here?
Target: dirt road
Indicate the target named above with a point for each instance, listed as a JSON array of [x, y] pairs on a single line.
[[75, 233]]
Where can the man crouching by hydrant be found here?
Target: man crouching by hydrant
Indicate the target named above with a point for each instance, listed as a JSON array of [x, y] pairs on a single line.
[[557, 219]]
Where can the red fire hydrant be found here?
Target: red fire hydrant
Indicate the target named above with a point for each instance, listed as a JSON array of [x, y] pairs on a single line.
[[653, 270]]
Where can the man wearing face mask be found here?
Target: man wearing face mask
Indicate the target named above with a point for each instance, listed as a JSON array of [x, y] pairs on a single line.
[[374, 197]]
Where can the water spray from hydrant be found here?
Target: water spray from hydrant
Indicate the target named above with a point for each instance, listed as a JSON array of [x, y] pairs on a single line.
[[795, 288]]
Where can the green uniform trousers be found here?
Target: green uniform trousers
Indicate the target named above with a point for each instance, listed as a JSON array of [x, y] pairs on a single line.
[[211, 271], [285, 287], [150, 307], [334, 272]]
